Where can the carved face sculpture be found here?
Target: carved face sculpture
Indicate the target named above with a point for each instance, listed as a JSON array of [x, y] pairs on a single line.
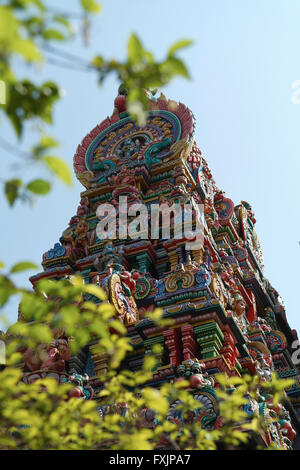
[[263, 368], [240, 307], [81, 227], [229, 270], [189, 368], [63, 348], [210, 222], [208, 207]]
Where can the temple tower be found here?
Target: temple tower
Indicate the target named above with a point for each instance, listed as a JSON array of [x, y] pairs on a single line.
[[226, 315]]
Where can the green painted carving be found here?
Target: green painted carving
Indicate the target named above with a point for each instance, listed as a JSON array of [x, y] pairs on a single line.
[[210, 339]]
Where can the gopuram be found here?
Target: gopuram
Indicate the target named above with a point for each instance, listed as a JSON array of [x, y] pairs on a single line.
[[227, 317]]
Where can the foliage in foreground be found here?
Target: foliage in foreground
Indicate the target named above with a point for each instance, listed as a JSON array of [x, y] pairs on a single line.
[[42, 416], [29, 32]]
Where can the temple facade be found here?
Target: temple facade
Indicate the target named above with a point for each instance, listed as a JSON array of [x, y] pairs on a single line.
[[227, 317]]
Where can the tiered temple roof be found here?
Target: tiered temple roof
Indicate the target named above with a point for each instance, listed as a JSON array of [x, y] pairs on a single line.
[[226, 315]]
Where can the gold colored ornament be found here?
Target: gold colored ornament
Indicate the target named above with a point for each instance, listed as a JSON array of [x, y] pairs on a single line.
[[114, 285], [217, 288], [171, 283], [188, 279], [85, 177]]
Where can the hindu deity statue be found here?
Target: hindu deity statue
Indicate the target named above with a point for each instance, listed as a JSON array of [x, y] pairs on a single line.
[[51, 356], [76, 240], [239, 312], [263, 368], [226, 316], [81, 389], [192, 370], [121, 285]]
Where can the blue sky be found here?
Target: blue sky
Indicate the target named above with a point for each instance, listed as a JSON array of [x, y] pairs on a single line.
[[243, 62]]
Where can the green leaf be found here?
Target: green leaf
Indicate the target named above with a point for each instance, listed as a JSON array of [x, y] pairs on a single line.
[[12, 190], [175, 66], [8, 26], [135, 49], [27, 101], [33, 307], [6, 290], [94, 290], [47, 141], [39, 4], [63, 20], [149, 57], [179, 45], [41, 333], [154, 400], [118, 326], [70, 315], [136, 105], [39, 186], [53, 34], [19, 328], [98, 62], [149, 363], [23, 266], [2, 265], [59, 167], [90, 6], [28, 50]]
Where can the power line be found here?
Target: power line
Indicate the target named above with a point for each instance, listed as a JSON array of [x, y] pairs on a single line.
[[13, 150], [66, 65], [68, 14], [67, 55]]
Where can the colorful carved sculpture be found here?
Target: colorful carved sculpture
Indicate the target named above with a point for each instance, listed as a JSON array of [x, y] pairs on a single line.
[[51, 356], [121, 286], [193, 371], [81, 389], [239, 309], [227, 317]]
